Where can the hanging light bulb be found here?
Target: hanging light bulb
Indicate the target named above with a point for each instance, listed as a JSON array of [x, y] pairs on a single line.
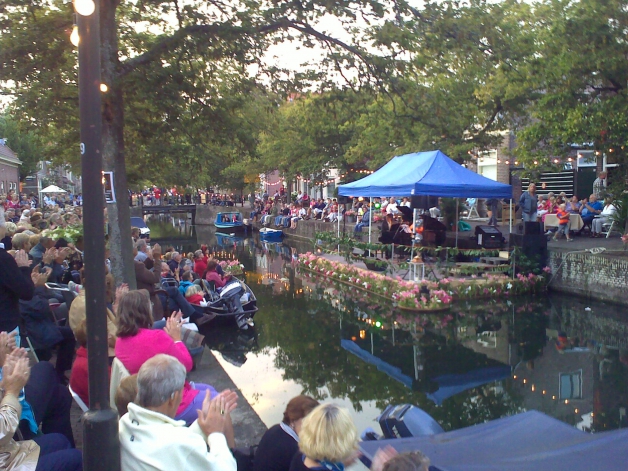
[[84, 7], [104, 88], [74, 37]]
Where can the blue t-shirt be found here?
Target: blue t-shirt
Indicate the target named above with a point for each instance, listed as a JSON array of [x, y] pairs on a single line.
[[598, 206]]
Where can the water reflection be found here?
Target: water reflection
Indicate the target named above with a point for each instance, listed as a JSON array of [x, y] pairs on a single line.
[[479, 362]]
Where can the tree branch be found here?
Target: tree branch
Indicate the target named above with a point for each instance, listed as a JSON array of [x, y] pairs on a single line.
[[166, 43]]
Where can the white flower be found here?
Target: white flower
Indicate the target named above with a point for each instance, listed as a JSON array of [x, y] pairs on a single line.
[[509, 286]]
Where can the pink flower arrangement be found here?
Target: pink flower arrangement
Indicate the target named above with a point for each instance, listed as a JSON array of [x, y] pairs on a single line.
[[442, 293]]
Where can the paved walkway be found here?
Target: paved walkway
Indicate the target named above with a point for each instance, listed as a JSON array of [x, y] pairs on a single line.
[[247, 425]]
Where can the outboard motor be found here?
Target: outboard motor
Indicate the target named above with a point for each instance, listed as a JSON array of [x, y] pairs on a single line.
[[230, 294], [406, 420]]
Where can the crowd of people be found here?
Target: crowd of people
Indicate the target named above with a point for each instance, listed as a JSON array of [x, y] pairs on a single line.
[[156, 402], [594, 212], [155, 196]]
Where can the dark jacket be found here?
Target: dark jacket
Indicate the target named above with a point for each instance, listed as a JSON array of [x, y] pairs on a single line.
[[39, 321], [275, 451], [15, 284], [146, 279]]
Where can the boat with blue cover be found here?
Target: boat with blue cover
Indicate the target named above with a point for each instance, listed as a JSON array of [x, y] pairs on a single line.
[[231, 221], [268, 234]]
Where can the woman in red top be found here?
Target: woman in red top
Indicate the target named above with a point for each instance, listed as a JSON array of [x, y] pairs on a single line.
[[138, 342], [200, 263]]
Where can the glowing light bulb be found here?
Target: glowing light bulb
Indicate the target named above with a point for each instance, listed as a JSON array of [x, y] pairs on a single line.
[[74, 37], [104, 88], [84, 7]]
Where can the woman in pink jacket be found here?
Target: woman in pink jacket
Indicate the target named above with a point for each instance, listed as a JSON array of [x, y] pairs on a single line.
[[138, 342]]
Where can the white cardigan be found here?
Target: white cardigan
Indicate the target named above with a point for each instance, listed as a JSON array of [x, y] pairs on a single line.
[[150, 441]]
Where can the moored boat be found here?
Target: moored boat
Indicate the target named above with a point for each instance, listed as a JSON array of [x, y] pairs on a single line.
[[235, 303], [229, 221], [268, 234]]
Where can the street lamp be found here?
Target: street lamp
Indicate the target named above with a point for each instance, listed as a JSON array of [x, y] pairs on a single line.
[[101, 447]]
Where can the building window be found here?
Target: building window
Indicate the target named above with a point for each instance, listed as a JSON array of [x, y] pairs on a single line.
[[570, 386]]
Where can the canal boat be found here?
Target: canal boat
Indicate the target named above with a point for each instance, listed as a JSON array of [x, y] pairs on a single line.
[[271, 235], [141, 225], [230, 222], [234, 303]]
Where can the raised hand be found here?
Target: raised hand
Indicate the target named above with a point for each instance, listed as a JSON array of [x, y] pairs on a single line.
[[212, 417], [7, 345], [62, 254], [173, 327], [157, 251], [21, 258], [231, 400], [40, 279], [50, 255], [15, 372]]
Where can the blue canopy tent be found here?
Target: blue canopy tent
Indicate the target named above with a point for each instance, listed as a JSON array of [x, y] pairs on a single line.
[[426, 173], [531, 441]]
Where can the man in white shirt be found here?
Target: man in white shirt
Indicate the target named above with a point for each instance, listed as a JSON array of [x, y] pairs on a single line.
[[150, 438], [391, 207], [604, 218]]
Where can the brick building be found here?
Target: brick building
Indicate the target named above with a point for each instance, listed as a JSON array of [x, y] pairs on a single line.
[[9, 169]]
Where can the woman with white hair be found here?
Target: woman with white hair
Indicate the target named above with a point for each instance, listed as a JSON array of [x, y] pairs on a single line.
[[328, 440]]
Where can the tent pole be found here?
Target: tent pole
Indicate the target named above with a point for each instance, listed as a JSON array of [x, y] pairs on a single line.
[[370, 220], [510, 219], [457, 212], [413, 233], [338, 221]]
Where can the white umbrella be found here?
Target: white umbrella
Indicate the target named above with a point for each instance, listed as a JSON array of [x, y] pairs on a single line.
[[53, 189]]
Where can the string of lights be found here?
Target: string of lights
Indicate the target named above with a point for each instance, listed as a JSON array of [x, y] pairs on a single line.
[[543, 392]]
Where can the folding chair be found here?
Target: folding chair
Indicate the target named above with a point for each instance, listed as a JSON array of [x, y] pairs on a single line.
[[473, 211], [609, 228], [78, 400]]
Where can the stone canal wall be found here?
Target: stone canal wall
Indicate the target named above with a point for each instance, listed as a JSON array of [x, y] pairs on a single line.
[[602, 276]]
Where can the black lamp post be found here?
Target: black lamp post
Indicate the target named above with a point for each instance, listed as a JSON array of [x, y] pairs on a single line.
[[101, 448]]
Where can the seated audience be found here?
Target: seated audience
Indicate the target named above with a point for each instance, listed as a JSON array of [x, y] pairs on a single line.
[[46, 452], [281, 442], [194, 294], [590, 209], [15, 282], [79, 378], [212, 274], [138, 342], [42, 330], [573, 206], [152, 439], [125, 394], [328, 440], [604, 218]]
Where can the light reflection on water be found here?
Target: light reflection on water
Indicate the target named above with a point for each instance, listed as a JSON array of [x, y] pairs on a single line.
[[304, 322]]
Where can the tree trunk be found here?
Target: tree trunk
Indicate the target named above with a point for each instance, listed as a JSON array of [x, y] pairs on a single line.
[[119, 214]]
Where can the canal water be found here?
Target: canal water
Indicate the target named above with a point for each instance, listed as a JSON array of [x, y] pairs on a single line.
[[564, 356]]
